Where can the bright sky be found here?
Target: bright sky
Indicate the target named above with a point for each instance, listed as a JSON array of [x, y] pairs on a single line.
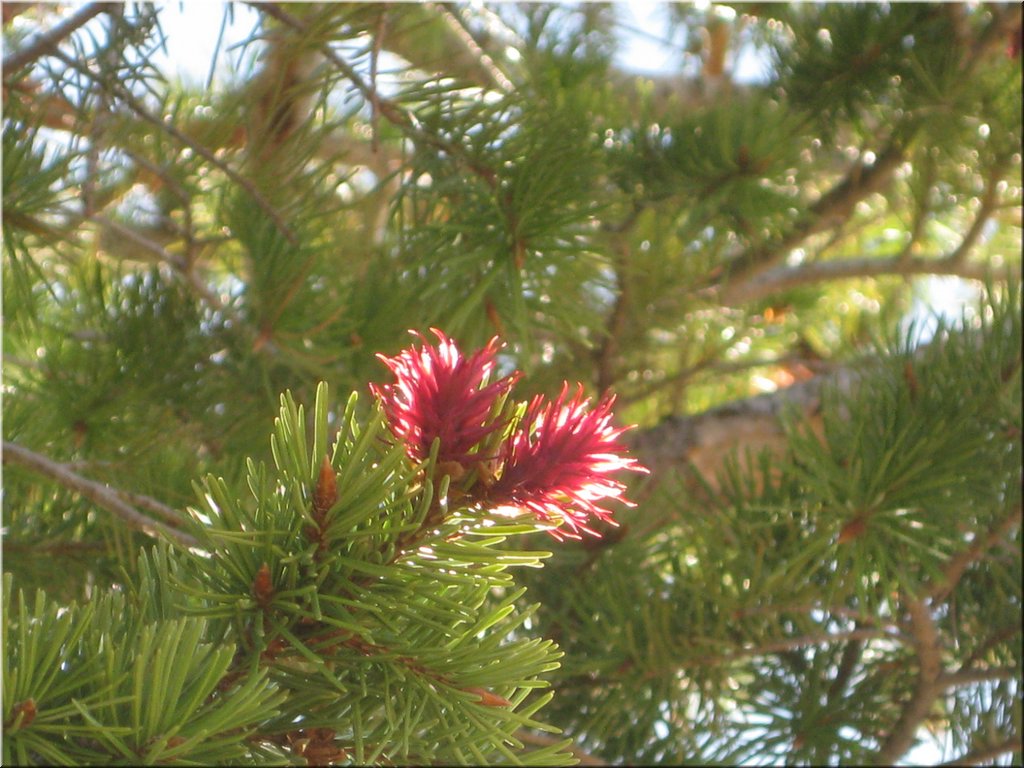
[[193, 26]]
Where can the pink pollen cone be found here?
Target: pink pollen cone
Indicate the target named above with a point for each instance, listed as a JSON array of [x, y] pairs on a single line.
[[439, 393], [558, 465]]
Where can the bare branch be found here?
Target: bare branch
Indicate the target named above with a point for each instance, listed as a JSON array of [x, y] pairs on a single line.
[[926, 645], [104, 496], [46, 42], [989, 200], [805, 641], [972, 676], [485, 62], [847, 665], [705, 439], [831, 210], [783, 278], [958, 565]]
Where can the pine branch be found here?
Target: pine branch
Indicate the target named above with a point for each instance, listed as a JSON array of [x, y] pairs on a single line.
[[831, 210], [185, 268], [392, 112], [45, 43], [473, 51], [988, 204], [915, 710], [706, 438], [546, 740], [104, 496], [956, 567]]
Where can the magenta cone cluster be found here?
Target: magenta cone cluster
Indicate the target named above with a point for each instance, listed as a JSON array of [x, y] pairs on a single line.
[[556, 465]]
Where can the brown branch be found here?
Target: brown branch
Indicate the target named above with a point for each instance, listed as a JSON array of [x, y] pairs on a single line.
[[972, 676], [847, 665], [804, 641], [997, 637], [185, 268], [485, 62], [705, 439], [831, 210], [103, 496], [960, 563], [922, 208], [783, 278], [926, 645], [58, 548], [779, 647], [179, 265], [46, 42], [171, 183], [859, 618], [985, 210]]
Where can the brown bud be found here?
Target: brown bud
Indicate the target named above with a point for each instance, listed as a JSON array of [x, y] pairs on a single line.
[[26, 710], [326, 492], [853, 530], [79, 431], [911, 379], [274, 647], [489, 699], [262, 586]]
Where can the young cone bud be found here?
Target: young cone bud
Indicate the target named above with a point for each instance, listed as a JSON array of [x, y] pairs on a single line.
[[262, 586], [853, 530], [489, 699], [25, 711], [326, 492]]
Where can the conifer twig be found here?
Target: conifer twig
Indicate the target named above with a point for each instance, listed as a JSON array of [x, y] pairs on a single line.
[[104, 496], [45, 42], [126, 96], [546, 740]]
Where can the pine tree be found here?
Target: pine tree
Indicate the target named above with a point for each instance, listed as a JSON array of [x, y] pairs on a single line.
[[248, 518]]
